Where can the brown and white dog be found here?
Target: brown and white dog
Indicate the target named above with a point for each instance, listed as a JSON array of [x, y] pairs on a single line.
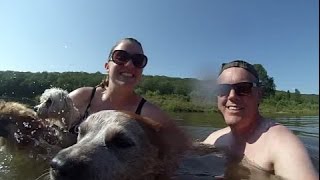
[[22, 129], [119, 145]]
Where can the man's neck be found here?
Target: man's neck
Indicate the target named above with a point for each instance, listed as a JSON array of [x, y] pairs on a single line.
[[243, 133]]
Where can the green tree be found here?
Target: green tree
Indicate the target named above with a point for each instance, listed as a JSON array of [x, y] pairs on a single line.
[[297, 96], [266, 82], [288, 95]]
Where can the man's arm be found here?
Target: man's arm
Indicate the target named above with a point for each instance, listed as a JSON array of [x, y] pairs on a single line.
[[212, 138], [290, 158]]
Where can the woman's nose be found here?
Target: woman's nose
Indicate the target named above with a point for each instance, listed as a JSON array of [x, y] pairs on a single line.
[[129, 63]]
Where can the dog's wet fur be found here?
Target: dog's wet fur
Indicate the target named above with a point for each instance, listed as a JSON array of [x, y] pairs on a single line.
[[56, 104], [120, 146], [22, 129]]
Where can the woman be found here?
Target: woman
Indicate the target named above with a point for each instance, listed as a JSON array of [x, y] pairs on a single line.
[[124, 68]]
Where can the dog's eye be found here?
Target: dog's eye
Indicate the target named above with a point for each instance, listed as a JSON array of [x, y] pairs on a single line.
[[80, 130], [48, 102], [120, 141]]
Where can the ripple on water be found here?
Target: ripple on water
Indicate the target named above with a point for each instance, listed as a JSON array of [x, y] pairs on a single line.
[[17, 165]]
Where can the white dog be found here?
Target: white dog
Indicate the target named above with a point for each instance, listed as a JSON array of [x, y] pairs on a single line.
[[57, 105]]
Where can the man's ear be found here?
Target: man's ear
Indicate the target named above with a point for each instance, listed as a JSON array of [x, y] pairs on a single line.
[[260, 95], [106, 66]]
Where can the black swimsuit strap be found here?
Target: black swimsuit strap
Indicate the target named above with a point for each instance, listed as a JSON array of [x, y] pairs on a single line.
[[74, 129], [139, 108], [86, 113]]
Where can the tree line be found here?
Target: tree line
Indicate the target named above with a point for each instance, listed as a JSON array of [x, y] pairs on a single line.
[[170, 93]]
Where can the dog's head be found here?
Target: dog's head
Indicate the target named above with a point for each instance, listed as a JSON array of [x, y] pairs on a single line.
[[14, 118], [56, 104], [21, 128], [116, 145]]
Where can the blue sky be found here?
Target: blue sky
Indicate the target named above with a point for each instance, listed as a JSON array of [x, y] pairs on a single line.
[[182, 38]]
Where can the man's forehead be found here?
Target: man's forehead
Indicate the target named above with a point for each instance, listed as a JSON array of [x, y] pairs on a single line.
[[234, 75]]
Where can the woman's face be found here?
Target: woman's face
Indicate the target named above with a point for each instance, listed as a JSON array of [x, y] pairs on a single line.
[[127, 74]]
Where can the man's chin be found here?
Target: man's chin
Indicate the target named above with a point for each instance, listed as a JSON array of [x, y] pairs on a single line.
[[232, 121]]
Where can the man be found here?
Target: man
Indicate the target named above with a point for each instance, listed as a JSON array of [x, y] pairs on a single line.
[[263, 142]]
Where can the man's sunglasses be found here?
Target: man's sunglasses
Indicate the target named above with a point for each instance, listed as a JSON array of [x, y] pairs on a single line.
[[241, 89], [121, 57]]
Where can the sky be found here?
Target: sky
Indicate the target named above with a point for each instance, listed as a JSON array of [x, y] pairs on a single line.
[[182, 38]]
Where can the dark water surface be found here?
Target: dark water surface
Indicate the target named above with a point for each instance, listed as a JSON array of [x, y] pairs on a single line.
[[16, 166]]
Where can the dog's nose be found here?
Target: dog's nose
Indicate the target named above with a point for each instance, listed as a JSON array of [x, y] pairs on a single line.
[[35, 108], [67, 168]]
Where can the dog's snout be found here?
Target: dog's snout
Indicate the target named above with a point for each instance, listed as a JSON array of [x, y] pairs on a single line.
[[35, 108], [57, 163], [67, 168]]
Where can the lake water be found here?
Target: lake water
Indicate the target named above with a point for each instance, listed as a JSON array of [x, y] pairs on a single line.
[[16, 166]]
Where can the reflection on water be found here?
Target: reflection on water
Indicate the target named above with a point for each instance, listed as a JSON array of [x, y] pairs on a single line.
[[16, 166], [237, 171]]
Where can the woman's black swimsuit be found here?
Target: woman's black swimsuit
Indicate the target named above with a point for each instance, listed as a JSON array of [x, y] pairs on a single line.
[[74, 129]]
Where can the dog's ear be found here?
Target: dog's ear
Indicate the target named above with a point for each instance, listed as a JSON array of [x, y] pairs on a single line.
[[152, 129], [148, 122], [166, 138], [69, 102]]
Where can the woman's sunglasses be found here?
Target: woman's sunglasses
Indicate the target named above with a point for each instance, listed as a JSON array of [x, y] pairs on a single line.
[[241, 89], [121, 57]]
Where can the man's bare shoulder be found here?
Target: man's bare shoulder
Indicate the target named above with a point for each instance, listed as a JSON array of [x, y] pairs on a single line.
[[211, 139], [289, 155], [278, 133]]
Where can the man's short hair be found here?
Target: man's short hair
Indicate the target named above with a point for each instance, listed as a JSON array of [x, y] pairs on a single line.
[[241, 64]]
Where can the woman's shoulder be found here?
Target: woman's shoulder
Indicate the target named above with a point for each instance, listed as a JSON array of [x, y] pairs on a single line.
[[81, 96], [80, 92], [155, 112], [151, 109]]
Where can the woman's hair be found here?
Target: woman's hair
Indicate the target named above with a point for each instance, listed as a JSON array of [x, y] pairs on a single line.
[[105, 82]]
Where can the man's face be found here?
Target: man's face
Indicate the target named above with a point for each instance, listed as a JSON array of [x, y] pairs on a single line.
[[238, 102]]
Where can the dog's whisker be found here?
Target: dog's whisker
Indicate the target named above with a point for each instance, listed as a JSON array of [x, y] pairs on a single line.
[[45, 175]]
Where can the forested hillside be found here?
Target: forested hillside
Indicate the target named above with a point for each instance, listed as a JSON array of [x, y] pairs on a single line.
[[172, 94]]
